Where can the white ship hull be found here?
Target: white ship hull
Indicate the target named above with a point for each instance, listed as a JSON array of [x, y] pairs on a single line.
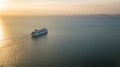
[[41, 32]]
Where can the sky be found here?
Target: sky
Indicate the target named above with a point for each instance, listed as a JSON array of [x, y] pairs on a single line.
[[59, 7]]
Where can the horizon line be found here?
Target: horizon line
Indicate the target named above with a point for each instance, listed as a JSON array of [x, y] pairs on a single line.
[[62, 15]]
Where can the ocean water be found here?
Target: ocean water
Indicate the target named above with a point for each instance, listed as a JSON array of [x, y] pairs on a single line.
[[79, 41]]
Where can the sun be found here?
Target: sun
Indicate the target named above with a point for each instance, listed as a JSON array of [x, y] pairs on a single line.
[[2, 4]]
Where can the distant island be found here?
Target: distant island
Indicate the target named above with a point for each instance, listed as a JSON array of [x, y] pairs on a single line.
[[103, 14], [106, 15]]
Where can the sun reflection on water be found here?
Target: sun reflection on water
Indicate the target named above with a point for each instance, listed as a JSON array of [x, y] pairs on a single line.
[[1, 30], [1, 33]]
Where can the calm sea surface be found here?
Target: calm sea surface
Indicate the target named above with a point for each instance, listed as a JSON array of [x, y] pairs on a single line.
[[71, 40]]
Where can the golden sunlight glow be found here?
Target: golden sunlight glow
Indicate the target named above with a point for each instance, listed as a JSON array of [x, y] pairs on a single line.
[[59, 7], [2, 4]]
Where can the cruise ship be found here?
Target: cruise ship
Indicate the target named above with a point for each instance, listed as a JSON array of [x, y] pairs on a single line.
[[40, 32]]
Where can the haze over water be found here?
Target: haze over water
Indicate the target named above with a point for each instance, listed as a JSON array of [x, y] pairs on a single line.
[[71, 40]]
